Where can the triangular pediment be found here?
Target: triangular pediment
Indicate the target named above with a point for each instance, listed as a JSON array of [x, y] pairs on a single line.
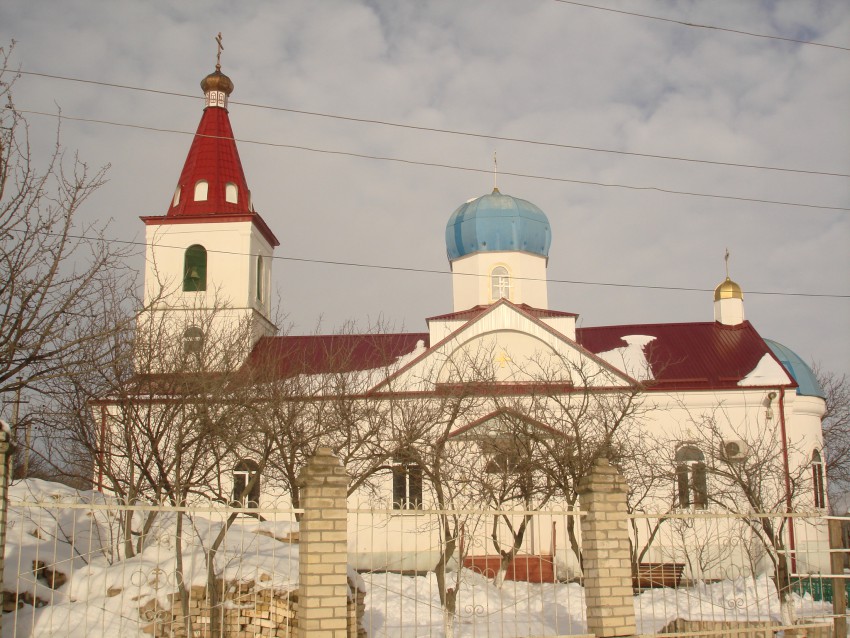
[[502, 423], [505, 346]]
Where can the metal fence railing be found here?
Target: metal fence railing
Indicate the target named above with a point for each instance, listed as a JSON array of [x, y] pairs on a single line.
[[88, 566]]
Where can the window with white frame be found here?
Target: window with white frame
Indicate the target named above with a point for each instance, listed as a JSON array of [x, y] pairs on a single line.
[[243, 495], [691, 477], [500, 283], [407, 486]]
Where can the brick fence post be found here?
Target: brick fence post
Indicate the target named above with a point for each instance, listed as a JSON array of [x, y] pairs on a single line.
[[6, 449], [606, 559], [323, 571]]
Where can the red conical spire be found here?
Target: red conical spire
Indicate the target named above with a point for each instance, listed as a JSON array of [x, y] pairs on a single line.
[[212, 181]]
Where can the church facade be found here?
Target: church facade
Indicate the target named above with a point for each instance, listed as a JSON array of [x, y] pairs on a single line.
[[509, 398]]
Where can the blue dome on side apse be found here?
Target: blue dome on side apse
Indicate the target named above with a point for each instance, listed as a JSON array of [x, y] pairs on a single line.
[[497, 222], [807, 382]]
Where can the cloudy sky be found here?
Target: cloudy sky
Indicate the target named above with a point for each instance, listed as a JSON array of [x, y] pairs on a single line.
[[539, 70]]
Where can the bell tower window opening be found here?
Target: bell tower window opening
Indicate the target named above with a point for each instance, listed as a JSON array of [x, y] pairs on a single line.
[[261, 274], [231, 193], [407, 486], [176, 199], [243, 472], [817, 480], [201, 189], [691, 478], [195, 269], [500, 283], [193, 341]]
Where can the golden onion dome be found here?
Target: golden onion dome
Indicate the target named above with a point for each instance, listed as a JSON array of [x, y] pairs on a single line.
[[728, 290], [217, 81]]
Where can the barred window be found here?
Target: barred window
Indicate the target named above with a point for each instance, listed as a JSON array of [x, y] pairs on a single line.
[[407, 486]]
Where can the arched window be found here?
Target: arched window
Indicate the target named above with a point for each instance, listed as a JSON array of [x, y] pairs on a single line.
[[500, 283], [193, 340], [817, 479], [691, 477], [201, 188], [176, 197], [231, 193], [245, 470], [260, 276], [195, 269]]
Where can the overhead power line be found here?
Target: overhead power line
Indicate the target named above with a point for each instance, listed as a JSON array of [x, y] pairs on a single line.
[[400, 160], [446, 131], [432, 271], [704, 26]]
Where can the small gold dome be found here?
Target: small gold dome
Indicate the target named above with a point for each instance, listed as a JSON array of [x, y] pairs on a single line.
[[217, 81], [728, 290]]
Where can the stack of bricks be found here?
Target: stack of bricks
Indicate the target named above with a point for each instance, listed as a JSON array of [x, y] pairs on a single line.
[[245, 612], [606, 557]]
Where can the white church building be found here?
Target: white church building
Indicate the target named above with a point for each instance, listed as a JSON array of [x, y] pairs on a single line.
[[708, 392]]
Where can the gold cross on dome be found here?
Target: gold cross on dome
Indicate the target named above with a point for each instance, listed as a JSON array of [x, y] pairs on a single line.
[[220, 49], [503, 359]]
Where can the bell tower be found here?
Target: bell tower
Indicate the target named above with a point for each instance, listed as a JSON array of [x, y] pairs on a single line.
[[208, 260]]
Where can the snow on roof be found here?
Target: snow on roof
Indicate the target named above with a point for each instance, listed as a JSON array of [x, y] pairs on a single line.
[[687, 356], [631, 358], [767, 372], [675, 356]]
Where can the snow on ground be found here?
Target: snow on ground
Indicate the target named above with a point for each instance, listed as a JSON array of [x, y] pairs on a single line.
[[79, 534]]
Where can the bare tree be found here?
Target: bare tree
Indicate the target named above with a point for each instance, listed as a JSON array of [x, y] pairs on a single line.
[[836, 431], [55, 268], [595, 413], [752, 481]]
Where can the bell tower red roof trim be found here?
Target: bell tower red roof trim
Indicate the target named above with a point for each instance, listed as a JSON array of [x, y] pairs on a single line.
[[214, 159], [212, 185]]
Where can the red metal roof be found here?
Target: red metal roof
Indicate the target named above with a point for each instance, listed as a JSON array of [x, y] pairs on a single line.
[[472, 313], [683, 356], [687, 356], [212, 157], [255, 218], [315, 354]]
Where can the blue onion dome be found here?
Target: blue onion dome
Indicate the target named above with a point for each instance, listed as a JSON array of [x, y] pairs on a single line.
[[497, 222], [807, 382]]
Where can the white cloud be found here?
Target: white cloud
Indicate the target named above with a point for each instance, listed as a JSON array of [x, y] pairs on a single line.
[[535, 70]]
